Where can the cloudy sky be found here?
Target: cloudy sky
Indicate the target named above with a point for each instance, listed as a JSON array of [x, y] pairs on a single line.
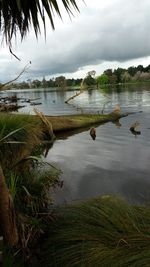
[[105, 34]]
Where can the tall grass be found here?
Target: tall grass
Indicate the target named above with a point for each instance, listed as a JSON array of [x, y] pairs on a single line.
[[19, 134], [13, 185], [103, 232], [33, 189], [29, 181]]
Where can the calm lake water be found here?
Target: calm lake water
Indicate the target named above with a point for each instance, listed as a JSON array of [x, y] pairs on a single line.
[[117, 162]]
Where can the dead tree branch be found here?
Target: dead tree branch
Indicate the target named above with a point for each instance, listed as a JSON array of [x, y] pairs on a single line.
[[72, 97], [19, 75]]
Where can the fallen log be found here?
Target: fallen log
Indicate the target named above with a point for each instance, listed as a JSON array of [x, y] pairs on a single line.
[[71, 122]]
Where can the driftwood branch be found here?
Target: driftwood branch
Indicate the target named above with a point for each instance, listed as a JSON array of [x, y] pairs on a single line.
[[19, 75]]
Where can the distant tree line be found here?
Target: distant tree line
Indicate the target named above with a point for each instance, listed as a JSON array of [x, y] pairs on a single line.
[[109, 76], [121, 75], [60, 81]]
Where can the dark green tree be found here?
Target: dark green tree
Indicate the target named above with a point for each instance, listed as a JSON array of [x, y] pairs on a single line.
[[89, 80], [119, 72], [140, 68], [108, 72], [36, 84], [132, 71], [60, 81], [78, 82]]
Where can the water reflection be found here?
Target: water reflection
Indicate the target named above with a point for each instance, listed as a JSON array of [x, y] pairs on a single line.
[[117, 123], [137, 189], [114, 163]]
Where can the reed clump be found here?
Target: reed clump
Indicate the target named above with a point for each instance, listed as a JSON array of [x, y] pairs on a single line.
[[106, 231]]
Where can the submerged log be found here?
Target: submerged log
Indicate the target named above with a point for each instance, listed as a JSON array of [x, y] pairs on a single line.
[[35, 103]]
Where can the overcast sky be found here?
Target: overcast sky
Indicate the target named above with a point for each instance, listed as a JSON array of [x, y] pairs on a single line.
[[105, 34]]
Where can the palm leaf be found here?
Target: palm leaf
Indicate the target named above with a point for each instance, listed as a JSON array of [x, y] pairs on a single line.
[[21, 15]]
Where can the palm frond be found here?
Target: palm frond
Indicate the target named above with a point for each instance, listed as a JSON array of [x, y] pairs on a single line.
[[21, 15]]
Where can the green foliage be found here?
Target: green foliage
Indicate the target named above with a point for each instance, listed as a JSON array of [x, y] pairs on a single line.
[[31, 193], [33, 188], [105, 231], [132, 74], [60, 81], [102, 79]]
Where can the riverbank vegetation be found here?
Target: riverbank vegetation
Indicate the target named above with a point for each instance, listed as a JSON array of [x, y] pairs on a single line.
[[25, 181], [121, 75]]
